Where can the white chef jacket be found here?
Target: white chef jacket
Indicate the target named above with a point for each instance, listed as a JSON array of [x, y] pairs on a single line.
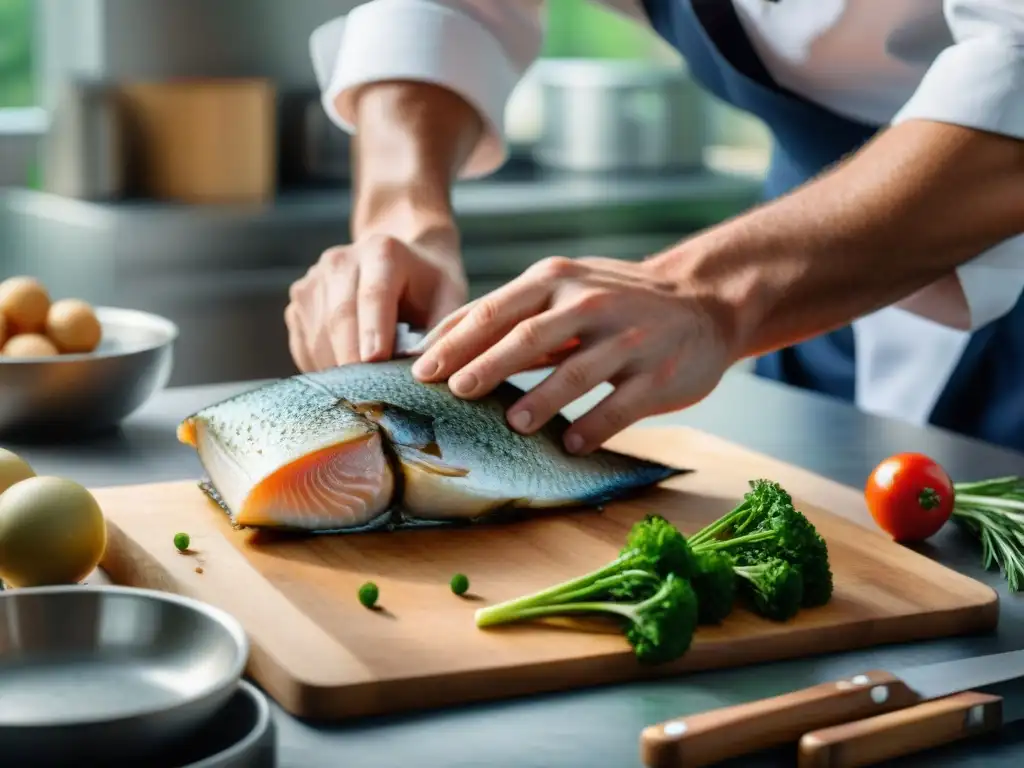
[[876, 61]]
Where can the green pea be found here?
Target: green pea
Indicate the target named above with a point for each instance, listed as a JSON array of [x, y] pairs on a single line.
[[368, 594], [460, 583]]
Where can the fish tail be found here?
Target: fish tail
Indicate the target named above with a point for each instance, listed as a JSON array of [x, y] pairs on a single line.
[[646, 471]]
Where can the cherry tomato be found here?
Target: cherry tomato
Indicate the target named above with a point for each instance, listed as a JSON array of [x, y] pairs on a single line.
[[910, 496]]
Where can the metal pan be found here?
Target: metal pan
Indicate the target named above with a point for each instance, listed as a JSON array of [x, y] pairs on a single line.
[[104, 674], [242, 735]]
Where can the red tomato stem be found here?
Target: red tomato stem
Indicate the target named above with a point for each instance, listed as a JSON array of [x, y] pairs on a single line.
[[910, 496], [928, 498]]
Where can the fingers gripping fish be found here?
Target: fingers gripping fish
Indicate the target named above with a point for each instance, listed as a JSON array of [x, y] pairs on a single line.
[[366, 444]]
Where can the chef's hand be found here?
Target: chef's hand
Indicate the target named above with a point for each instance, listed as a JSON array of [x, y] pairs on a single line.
[[661, 345], [349, 303]]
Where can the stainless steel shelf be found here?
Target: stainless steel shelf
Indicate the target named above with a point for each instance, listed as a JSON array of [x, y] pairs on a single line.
[[222, 273]]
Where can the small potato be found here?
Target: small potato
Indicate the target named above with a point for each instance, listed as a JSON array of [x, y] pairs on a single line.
[[13, 469], [29, 345], [24, 302], [52, 531], [72, 326]]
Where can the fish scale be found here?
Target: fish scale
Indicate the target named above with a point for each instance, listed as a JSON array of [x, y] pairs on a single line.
[[474, 434], [260, 426], [335, 433]]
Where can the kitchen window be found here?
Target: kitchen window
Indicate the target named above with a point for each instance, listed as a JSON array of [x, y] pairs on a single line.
[[738, 142], [22, 120], [17, 82], [581, 29]]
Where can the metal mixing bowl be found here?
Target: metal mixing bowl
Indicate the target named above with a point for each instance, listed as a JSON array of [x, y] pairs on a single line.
[[101, 675], [83, 393]]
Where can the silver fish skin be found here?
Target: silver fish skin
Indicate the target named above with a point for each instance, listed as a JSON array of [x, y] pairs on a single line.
[[449, 458], [286, 456]]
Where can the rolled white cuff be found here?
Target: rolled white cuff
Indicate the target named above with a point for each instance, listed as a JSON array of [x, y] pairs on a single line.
[[992, 283], [977, 83], [421, 41]]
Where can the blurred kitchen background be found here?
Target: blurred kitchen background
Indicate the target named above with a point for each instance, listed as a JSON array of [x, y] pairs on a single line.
[[172, 156]]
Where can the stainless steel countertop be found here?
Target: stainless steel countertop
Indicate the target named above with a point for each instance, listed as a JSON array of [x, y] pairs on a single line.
[[600, 727]]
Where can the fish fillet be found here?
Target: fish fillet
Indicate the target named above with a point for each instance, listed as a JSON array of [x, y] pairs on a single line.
[[287, 456], [366, 444]]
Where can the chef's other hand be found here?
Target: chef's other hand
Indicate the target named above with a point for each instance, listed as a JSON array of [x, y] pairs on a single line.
[[348, 305], [660, 344]]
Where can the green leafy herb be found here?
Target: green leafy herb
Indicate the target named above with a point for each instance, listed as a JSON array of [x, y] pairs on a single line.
[[993, 511]]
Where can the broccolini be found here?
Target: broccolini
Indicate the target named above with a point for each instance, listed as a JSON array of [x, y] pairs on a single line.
[[775, 588], [766, 526], [715, 584], [659, 627]]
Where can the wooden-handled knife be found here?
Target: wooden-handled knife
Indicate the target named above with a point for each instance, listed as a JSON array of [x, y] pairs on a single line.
[[720, 734], [902, 732]]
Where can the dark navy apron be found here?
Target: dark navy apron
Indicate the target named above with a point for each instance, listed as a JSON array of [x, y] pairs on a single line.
[[984, 397]]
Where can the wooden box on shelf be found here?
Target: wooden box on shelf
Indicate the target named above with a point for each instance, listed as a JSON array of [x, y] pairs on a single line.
[[202, 140]]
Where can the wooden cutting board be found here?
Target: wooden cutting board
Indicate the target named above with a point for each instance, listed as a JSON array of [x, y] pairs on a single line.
[[320, 654]]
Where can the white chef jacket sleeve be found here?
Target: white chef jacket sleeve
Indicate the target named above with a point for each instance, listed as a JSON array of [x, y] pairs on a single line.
[[978, 82], [479, 49]]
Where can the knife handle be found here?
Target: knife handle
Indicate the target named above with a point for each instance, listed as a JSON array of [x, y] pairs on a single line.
[[903, 732], [719, 734]]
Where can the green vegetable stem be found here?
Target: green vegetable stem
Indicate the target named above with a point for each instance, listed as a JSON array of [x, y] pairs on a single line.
[[646, 587], [661, 586], [660, 628], [654, 549]]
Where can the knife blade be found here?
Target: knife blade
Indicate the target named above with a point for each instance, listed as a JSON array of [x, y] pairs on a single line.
[[719, 734], [407, 341], [410, 343]]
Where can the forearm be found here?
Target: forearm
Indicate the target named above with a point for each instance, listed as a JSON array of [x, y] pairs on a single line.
[[411, 139], [899, 216]]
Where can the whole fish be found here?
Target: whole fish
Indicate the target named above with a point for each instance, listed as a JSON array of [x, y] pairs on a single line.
[[366, 444]]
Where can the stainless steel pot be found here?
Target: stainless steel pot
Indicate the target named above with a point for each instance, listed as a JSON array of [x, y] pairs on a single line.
[[611, 115], [84, 152]]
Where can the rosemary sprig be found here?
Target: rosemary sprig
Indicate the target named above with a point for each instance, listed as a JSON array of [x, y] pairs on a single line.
[[993, 511]]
